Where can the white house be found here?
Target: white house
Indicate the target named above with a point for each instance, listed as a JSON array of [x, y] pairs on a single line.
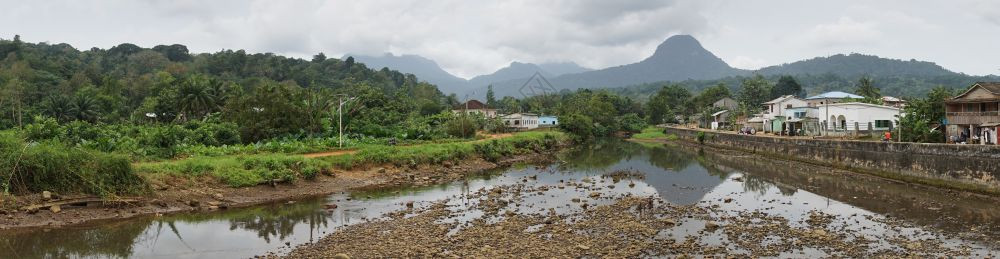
[[773, 117], [856, 116], [521, 121], [475, 107], [830, 98], [548, 121]]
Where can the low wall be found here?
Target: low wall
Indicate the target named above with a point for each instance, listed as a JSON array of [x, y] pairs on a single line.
[[969, 167]]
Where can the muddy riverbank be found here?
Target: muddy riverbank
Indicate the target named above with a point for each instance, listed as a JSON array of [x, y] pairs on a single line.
[[608, 198], [183, 195]]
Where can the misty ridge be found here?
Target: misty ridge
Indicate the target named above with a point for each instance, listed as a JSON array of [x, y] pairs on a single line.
[[682, 59]]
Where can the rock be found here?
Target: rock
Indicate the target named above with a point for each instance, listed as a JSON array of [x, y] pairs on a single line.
[[632, 184], [341, 256], [331, 206], [158, 202], [582, 247], [409, 204], [213, 207], [670, 221], [46, 195], [381, 170], [711, 225], [213, 203], [575, 200], [727, 200], [595, 194], [194, 203], [290, 202], [55, 209], [217, 196]]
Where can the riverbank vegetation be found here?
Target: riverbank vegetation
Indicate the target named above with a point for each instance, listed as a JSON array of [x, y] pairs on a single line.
[[250, 170]]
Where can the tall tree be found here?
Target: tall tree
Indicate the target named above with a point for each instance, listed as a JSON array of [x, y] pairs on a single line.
[[670, 101], [866, 87], [491, 99], [787, 85], [711, 95], [756, 90]]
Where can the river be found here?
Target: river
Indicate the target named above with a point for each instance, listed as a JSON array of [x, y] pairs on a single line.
[[679, 174]]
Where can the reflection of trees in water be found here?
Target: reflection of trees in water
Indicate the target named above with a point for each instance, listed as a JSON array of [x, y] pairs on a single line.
[[117, 239], [755, 184], [600, 155], [669, 158], [107, 240]]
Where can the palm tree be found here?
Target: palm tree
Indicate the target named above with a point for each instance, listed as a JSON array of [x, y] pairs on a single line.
[[58, 107], [84, 108], [194, 97]]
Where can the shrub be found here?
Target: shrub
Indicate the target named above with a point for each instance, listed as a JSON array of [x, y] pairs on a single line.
[[53, 166], [579, 126], [42, 128], [701, 137]]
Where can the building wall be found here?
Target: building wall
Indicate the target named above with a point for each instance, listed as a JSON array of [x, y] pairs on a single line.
[[860, 114], [972, 167]]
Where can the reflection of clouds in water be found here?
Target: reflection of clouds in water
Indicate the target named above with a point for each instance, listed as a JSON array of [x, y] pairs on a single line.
[[677, 174]]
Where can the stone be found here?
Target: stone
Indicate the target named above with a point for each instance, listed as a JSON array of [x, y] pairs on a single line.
[[46, 195], [409, 204], [595, 194], [727, 200], [711, 225], [213, 207], [213, 203], [158, 202], [55, 209], [341, 256], [331, 206], [217, 196], [194, 203], [582, 247]]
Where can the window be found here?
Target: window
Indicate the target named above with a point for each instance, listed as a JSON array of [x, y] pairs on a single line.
[[789, 106], [883, 123], [800, 115]]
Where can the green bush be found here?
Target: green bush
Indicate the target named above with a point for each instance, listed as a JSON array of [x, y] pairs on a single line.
[[53, 166], [43, 128], [701, 137]]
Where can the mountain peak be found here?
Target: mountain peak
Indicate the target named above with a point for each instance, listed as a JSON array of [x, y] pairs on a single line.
[[679, 44]]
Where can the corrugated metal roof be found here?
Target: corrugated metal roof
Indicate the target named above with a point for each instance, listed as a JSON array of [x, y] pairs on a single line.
[[835, 95]]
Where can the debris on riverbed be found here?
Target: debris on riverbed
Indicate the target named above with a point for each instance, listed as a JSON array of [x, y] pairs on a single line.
[[625, 226]]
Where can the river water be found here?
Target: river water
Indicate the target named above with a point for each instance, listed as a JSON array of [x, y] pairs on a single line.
[[678, 174]]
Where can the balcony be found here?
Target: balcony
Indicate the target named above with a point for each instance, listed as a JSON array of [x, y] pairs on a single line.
[[973, 117]]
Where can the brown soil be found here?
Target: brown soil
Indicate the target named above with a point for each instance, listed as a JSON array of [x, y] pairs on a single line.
[[179, 194]]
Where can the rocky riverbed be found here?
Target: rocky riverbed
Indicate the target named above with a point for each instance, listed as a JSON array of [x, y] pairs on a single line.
[[516, 221]]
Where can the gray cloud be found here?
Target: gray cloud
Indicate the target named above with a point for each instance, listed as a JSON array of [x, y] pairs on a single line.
[[475, 37]]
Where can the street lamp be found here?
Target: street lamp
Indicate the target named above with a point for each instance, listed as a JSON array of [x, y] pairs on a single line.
[[340, 115]]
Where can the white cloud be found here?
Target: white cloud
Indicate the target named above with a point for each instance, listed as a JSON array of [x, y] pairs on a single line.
[[475, 37], [846, 31], [744, 62]]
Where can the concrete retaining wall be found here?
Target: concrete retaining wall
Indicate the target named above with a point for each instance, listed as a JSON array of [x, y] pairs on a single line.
[[971, 167]]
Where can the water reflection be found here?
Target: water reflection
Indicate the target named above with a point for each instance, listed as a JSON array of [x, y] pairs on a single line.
[[681, 175]]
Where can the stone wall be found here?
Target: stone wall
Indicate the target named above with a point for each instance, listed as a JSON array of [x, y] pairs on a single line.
[[970, 167]]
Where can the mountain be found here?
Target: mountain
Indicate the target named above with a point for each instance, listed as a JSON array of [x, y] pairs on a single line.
[[515, 70], [425, 69], [558, 69], [680, 57], [857, 65]]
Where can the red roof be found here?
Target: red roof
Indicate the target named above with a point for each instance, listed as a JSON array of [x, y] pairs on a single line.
[[472, 105]]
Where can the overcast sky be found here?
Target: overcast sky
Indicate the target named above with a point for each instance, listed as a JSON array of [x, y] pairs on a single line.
[[468, 38]]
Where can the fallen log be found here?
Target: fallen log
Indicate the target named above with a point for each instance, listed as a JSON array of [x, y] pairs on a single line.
[[93, 201]]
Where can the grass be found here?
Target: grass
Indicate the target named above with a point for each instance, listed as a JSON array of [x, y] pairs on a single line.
[[650, 133], [255, 169], [654, 133], [29, 167]]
